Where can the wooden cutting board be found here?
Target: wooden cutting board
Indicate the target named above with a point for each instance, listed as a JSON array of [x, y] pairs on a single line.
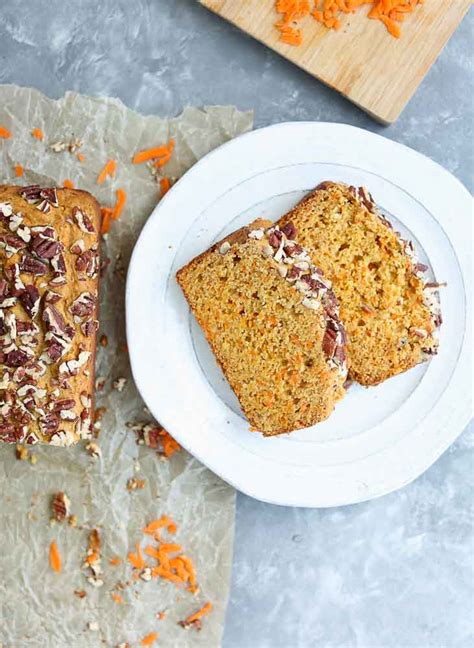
[[362, 61]]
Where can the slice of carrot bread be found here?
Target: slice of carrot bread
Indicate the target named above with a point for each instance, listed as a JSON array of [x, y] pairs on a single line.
[[272, 321], [390, 313]]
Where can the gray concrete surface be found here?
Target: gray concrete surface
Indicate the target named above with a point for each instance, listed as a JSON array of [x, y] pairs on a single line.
[[396, 572]]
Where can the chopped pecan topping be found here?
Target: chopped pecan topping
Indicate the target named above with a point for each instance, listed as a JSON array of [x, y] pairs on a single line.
[[49, 423], [274, 238], [289, 230], [51, 297], [83, 221], [29, 265], [83, 305], [15, 358], [44, 197], [45, 245], [58, 263], [30, 300], [88, 328], [293, 250], [55, 323], [60, 506]]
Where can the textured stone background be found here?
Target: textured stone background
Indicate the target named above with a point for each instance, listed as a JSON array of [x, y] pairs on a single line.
[[398, 571]]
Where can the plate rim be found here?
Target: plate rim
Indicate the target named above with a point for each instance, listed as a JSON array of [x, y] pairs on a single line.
[[244, 487]]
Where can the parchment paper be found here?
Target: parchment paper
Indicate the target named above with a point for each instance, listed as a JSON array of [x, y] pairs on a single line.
[[38, 607]]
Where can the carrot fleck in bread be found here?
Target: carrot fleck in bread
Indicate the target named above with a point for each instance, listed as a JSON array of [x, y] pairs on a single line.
[[272, 321], [390, 313], [49, 268]]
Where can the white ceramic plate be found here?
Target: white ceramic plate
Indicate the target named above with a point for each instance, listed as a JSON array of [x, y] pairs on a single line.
[[378, 439]]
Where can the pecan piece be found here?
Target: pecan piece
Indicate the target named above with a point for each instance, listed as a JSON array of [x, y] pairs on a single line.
[[83, 305], [289, 230], [293, 250], [46, 247], [274, 238], [49, 423], [60, 506], [83, 221], [30, 300], [16, 358], [29, 265]]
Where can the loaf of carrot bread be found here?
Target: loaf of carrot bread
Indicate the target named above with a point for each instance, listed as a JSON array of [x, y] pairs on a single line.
[[272, 321], [389, 310], [49, 273]]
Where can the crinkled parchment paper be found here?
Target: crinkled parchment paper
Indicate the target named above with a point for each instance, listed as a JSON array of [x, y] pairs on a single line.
[[37, 606]]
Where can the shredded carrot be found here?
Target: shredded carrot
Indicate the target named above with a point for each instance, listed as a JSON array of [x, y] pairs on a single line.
[[167, 574], [109, 170], [37, 133], [119, 203], [180, 569], [152, 551], [18, 170], [197, 615], [170, 446], [106, 213], [170, 548], [328, 13], [115, 561], [69, 184], [188, 563], [54, 557], [136, 559], [80, 156], [92, 558], [149, 639], [116, 597], [165, 186], [161, 615], [157, 153], [4, 133], [155, 525]]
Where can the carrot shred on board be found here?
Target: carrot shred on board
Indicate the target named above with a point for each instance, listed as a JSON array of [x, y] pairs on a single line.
[[4, 133], [165, 186], [155, 153], [119, 203], [149, 639], [116, 597], [106, 213], [18, 170], [328, 12], [54, 557], [69, 184], [115, 561], [110, 167], [80, 156], [37, 133]]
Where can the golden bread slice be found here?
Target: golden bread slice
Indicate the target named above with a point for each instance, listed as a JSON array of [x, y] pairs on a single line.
[[388, 309], [272, 321]]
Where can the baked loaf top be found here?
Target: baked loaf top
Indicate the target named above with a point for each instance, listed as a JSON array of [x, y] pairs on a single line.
[[49, 273], [272, 321], [390, 312]]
